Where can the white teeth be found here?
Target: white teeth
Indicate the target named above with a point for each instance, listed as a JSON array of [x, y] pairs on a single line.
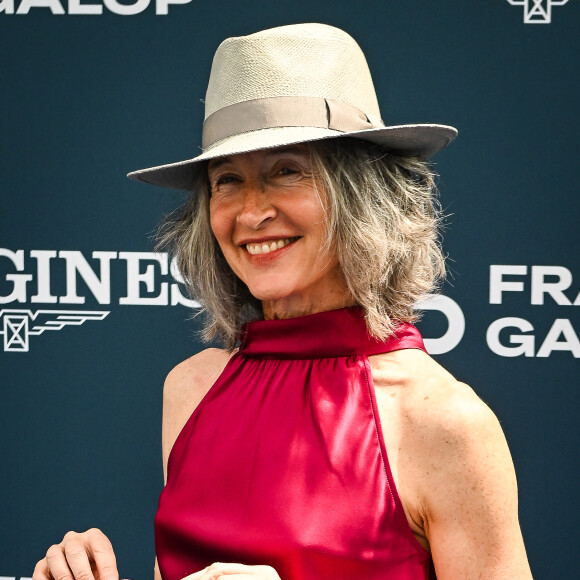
[[268, 247]]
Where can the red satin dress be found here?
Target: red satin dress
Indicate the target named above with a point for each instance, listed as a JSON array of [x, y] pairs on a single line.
[[284, 463]]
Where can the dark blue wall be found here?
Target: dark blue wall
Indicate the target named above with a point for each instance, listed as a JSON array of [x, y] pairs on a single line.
[[86, 98]]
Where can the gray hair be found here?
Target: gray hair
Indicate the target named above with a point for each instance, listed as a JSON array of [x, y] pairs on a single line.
[[383, 221]]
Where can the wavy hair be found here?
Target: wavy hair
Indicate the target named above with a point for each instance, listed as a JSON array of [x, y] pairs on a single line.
[[383, 221]]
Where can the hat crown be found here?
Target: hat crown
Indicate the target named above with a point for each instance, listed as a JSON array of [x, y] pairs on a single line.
[[305, 60]]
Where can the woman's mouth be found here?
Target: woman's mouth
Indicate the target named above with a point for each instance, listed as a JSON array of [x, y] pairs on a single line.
[[269, 246]]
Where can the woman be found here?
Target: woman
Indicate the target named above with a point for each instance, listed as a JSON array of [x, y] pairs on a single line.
[[310, 234]]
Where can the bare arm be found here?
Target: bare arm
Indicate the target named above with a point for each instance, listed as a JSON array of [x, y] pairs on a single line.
[[185, 387], [469, 494], [157, 573], [452, 469]]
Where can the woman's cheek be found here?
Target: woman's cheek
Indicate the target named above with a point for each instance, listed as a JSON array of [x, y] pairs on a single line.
[[217, 219]]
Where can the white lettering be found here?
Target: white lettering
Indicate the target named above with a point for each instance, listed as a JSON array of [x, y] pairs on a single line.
[[455, 323], [162, 6], [75, 7], [176, 296], [54, 5], [525, 342], [19, 281], [43, 258], [561, 326], [8, 7], [555, 289], [76, 263], [497, 285], [155, 292], [126, 9], [135, 278]]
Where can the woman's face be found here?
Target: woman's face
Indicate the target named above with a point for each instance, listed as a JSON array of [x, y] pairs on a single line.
[[267, 214]]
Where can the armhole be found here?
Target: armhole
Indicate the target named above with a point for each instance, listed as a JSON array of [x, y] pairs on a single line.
[[390, 480], [188, 424]]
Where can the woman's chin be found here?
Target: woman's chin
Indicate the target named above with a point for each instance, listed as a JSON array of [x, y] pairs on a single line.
[[269, 294]]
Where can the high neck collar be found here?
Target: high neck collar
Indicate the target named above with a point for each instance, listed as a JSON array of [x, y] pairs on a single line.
[[329, 334]]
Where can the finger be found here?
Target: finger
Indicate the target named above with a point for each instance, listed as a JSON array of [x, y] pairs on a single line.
[[196, 575], [212, 572], [57, 565], [77, 558], [103, 556], [255, 573], [218, 570], [205, 574], [244, 571], [255, 576], [41, 571]]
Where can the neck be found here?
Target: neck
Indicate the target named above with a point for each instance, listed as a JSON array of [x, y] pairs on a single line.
[[295, 306]]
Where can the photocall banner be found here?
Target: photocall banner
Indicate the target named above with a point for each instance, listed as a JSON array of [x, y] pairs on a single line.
[[92, 319]]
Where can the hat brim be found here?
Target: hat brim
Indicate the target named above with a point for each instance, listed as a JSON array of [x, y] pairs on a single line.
[[423, 141]]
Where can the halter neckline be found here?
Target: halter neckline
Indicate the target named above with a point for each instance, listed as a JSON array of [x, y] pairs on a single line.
[[333, 333]]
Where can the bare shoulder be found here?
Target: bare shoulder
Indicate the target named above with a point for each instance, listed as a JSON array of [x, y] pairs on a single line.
[[185, 386], [452, 467], [454, 440], [447, 415], [438, 420], [434, 426], [428, 397], [191, 376]]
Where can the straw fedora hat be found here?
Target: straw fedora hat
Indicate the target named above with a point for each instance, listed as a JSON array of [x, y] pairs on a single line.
[[292, 84]]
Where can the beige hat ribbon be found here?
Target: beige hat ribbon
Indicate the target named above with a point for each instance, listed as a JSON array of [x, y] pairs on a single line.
[[272, 112]]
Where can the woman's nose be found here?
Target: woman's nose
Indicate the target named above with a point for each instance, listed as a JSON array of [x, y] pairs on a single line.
[[257, 208]]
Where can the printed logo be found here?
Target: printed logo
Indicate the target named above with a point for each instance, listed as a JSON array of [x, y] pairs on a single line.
[[127, 278], [16, 327], [75, 7], [538, 11], [540, 286], [455, 323]]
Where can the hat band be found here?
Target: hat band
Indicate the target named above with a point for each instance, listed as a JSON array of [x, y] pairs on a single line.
[[273, 112]]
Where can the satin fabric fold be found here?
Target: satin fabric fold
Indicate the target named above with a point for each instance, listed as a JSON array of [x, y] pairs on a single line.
[[283, 462]]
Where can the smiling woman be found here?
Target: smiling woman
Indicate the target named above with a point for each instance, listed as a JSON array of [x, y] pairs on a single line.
[[268, 215], [322, 442], [387, 245]]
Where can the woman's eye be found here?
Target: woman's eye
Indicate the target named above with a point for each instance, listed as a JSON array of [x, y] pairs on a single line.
[[288, 172], [224, 180]]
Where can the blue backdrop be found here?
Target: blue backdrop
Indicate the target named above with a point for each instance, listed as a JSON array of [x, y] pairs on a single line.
[[91, 321]]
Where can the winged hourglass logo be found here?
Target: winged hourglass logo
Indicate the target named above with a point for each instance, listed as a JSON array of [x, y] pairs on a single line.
[[19, 325], [538, 11]]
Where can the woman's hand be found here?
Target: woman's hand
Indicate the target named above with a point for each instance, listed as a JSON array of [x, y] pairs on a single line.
[[219, 571], [86, 556]]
